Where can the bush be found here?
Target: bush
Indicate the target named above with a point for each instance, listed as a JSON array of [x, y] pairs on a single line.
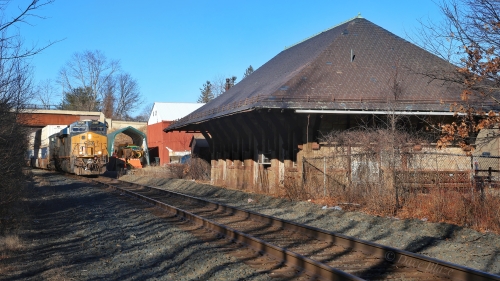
[[176, 170], [198, 169], [13, 144], [15, 90], [195, 168]]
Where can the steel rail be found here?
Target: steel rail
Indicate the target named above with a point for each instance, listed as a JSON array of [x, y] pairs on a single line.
[[311, 267], [390, 254]]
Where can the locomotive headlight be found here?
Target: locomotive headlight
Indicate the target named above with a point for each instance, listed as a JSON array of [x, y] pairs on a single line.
[[89, 136], [99, 152], [81, 152]]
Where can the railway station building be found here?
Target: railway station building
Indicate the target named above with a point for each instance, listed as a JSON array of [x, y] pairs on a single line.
[[260, 129]]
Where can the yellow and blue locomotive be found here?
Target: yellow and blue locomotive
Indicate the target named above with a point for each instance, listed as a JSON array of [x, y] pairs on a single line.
[[80, 148]]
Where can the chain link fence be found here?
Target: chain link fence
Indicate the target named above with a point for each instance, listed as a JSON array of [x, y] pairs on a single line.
[[408, 172]]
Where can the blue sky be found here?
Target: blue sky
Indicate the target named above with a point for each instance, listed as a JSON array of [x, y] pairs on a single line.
[[172, 47]]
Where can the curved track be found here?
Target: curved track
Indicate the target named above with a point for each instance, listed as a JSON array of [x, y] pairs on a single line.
[[322, 254]]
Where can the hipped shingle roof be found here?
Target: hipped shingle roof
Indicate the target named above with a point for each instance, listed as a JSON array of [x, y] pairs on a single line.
[[352, 66]]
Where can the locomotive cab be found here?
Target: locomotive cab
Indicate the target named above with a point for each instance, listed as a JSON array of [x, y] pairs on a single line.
[[81, 148], [88, 154]]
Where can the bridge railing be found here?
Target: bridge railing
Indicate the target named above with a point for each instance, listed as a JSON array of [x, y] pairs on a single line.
[[41, 106]]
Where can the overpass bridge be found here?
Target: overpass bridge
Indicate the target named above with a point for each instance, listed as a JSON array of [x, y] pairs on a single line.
[[39, 118]]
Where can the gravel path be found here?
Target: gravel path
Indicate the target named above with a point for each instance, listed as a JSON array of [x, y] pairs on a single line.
[[80, 232], [438, 240]]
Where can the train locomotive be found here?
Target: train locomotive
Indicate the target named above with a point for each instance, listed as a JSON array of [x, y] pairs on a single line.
[[80, 148]]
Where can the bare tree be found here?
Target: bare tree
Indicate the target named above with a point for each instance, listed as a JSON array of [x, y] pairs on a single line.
[[145, 113], [89, 69], [396, 82], [113, 92], [378, 144], [15, 89], [469, 37], [45, 93], [12, 39], [108, 103], [221, 84], [218, 85], [128, 97]]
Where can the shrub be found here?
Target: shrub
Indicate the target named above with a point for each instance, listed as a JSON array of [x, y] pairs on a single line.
[[13, 145], [197, 169]]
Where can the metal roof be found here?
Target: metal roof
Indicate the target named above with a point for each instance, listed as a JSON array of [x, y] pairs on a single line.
[[138, 138], [169, 111]]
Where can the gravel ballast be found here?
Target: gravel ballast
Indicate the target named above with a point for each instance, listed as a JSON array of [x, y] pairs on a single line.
[[77, 231], [442, 241], [83, 232]]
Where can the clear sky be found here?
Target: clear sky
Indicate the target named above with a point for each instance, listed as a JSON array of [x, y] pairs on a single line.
[[172, 47]]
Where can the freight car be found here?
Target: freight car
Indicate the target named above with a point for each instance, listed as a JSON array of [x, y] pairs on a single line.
[[39, 145]]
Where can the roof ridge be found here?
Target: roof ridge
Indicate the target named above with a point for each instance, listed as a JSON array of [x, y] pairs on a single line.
[[316, 34], [177, 102]]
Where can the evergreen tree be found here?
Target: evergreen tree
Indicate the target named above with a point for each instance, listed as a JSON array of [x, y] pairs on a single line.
[[80, 99], [206, 93], [248, 71]]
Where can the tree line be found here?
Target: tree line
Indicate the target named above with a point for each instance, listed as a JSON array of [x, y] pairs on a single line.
[[92, 82], [219, 85], [16, 87]]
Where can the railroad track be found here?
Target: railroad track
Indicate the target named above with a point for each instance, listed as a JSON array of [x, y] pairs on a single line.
[[323, 255]]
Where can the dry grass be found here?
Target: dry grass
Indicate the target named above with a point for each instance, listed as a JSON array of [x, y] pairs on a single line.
[[10, 243], [466, 207], [196, 169], [170, 171], [153, 171], [294, 191]]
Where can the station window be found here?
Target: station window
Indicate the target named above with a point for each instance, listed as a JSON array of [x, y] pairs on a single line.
[[264, 158]]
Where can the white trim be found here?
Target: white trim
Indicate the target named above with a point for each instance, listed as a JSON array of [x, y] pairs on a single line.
[[439, 113], [179, 153]]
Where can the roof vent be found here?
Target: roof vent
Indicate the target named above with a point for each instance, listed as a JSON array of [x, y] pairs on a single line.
[[345, 32], [284, 88]]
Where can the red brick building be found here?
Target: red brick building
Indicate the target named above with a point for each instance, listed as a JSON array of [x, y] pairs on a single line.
[[168, 147]]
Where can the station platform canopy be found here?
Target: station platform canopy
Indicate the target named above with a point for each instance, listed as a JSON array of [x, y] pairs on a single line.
[[138, 138]]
